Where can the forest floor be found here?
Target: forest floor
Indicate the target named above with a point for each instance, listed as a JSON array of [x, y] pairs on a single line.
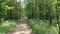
[[21, 28]]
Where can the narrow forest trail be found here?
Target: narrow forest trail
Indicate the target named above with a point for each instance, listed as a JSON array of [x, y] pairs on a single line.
[[21, 28]]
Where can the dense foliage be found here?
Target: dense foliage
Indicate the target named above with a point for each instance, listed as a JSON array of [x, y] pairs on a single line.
[[44, 15], [42, 27], [4, 7]]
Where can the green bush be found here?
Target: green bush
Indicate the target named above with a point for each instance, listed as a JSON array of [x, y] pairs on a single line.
[[42, 27], [6, 26]]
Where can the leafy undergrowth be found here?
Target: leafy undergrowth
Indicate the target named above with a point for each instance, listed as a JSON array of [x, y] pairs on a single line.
[[42, 27], [6, 26]]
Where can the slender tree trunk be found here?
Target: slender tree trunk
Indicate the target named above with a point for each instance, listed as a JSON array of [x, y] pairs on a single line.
[[57, 16], [0, 19], [50, 18], [58, 22]]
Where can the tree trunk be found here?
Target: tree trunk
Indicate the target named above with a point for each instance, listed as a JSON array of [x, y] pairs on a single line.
[[58, 22], [50, 18], [57, 16]]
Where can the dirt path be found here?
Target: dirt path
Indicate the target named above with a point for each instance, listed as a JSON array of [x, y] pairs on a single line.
[[21, 28]]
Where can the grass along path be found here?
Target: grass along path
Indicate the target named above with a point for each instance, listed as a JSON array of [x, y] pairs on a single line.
[[21, 28], [7, 25]]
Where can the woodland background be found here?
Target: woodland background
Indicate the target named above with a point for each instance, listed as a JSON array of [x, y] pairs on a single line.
[[43, 15]]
